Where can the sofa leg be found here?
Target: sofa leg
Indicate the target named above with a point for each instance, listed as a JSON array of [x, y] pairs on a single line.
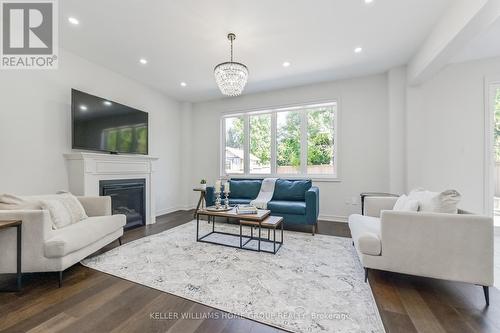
[[120, 241], [366, 274], [60, 278], [486, 291], [313, 229]]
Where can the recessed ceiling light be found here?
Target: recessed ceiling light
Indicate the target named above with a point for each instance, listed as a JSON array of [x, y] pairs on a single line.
[[107, 103], [369, 1], [183, 84], [358, 49], [83, 107], [73, 20], [143, 61], [286, 64]]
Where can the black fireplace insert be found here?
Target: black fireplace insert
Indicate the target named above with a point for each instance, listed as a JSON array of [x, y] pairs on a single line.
[[128, 197]]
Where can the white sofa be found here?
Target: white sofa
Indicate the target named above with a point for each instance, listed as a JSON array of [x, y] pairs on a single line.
[[45, 249], [457, 247]]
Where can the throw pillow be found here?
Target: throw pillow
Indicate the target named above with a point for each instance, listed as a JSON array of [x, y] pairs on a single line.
[[444, 202], [74, 207], [405, 204], [58, 213]]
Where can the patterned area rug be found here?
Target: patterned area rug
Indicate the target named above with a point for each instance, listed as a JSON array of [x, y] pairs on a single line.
[[313, 284]]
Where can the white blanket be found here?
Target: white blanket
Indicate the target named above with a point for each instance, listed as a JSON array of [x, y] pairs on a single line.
[[266, 193]]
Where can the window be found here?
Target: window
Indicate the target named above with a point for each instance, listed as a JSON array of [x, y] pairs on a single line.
[[260, 144], [295, 141], [288, 142], [234, 152], [320, 138]]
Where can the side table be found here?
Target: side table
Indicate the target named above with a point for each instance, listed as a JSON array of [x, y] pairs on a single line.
[[15, 224], [201, 201]]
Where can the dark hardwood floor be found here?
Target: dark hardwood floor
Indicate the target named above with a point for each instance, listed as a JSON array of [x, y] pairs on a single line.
[[91, 301]]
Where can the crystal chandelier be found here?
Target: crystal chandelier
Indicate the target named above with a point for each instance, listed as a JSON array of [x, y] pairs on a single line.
[[231, 77]]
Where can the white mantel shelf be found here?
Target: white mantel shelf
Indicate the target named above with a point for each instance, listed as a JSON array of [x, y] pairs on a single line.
[[86, 170]]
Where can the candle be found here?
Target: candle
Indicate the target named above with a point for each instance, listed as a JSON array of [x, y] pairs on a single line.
[[226, 187], [217, 186]]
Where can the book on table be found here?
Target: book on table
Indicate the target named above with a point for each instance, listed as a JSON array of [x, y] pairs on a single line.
[[246, 209]]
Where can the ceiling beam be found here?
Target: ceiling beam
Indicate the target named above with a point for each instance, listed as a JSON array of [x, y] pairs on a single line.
[[459, 25]]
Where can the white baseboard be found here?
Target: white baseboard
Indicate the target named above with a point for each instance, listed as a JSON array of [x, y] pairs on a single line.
[[332, 218], [173, 209], [322, 217]]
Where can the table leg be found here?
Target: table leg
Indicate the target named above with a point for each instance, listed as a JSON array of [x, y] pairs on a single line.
[[213, 223], [274, 240], [282, 232], [241, 235], [19, 256], [259, 238], [198, 225], [198, 205]]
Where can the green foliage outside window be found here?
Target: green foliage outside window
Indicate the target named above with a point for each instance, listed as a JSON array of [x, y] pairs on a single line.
[[260, 138], [497, 125], [234, 132], [320, 137], [288, 139]]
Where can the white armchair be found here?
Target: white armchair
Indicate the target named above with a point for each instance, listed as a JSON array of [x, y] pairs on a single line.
[[45, 249], [457, 247]]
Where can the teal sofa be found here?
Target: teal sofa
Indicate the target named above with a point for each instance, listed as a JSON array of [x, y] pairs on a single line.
[[296, 200]]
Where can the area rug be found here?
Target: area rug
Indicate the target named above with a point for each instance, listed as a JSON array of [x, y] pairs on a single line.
[[313, 283]]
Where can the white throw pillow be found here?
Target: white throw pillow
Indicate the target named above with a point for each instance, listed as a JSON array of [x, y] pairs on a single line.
[[66, 211], [405, 204], [444, 202], [58, 213], [74, 207]]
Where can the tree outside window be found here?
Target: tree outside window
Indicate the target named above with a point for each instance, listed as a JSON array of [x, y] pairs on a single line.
[[288, 142], [234, 151], [260, 144], [320, 139], [304, 138]]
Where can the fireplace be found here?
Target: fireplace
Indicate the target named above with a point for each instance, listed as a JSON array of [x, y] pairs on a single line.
[[128, 197]]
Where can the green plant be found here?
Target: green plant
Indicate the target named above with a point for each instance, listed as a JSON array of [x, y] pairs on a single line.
[[203, 181]]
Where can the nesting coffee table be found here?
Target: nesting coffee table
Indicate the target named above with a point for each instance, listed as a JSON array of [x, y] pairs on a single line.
[[259, 221]]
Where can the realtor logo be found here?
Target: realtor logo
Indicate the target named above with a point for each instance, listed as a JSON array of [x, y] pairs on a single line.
[[29, 34]]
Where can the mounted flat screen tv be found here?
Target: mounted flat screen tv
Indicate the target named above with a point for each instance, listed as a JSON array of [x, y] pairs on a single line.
[[103, 125]]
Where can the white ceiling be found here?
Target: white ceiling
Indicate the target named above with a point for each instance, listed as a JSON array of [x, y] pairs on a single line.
[[485, 45], [184, 39]]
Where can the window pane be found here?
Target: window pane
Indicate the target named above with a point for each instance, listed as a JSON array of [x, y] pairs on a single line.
[[234, 145], [320, 138], [497, 125], [260, 144], [288, 142]]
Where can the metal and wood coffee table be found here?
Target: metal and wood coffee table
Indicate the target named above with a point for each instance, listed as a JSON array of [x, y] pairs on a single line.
[[18, 225], [260, 220], [271, 222]]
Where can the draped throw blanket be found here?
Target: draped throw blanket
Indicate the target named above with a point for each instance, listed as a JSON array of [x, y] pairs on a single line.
[[266, 193]]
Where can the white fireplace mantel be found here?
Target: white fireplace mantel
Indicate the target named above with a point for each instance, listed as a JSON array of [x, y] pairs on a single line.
[[85, 170]]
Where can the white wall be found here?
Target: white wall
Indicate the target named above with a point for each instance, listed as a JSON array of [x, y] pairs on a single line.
[[446, 131], [363, 137], [35, 126], [396, 88]]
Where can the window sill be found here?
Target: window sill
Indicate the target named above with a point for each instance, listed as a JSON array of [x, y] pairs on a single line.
[[314, 178]]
